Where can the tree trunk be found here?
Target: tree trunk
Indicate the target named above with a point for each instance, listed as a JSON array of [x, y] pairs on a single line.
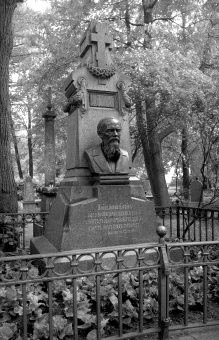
[[151, 142], [185, 164], [8, 191], [29, 142], [127, 23], [158, 181], [184, 134], [17, 156], [148, 6], [152, 154]]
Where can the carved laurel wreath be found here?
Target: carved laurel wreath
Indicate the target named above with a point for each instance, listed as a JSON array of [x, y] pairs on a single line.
[[102, 73]]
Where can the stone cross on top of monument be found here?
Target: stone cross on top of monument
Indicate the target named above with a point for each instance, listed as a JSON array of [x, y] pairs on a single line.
[[95, 44], [95, 90]]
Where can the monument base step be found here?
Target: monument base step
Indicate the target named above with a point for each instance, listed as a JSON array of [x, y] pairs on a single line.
[[41, 245]]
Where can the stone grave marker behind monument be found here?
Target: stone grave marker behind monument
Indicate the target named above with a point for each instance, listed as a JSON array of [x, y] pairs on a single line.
[[29, 204], [196, 191], [28, 190]]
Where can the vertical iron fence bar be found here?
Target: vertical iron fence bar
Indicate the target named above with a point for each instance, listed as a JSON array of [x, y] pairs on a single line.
[[194, 224], [50, 301], [163, 214], [13, 228], [141, 292], [23, 230], [186, 286], [218, 216], [98, 311], [160, 298], [188, 220], [167, 298], [177, 220], [19, 232], [163, 283], [212, 226], [33, 223], [206, 224], [4, 228], [183, 221], [205, 285], [200, 224], [43, 222], [119, 260], [24, 270], [171, 222], [74, 293]]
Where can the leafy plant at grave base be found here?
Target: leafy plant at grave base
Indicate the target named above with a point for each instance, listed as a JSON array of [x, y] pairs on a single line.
[[9, 237], [195, 291], [11, 307]]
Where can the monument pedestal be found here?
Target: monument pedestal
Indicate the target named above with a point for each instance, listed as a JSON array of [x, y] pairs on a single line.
[[29, 206], [100, 215]]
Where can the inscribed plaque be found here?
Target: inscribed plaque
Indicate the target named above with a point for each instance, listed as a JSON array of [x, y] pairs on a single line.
[[101, 99]]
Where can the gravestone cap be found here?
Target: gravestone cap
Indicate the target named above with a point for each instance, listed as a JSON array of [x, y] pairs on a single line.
[[49, 112], [97, 40]]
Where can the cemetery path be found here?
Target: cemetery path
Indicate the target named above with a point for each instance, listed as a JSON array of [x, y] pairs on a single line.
[[211, 333]]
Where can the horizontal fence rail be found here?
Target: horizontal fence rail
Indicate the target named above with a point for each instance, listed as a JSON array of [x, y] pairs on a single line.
[[109, 293], [190, 224], [17, 229]]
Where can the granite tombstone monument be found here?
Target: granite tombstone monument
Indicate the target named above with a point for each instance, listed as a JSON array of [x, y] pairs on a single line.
[[99, 203]]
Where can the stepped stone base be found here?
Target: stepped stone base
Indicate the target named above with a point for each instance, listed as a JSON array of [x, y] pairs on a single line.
[[99, 215]]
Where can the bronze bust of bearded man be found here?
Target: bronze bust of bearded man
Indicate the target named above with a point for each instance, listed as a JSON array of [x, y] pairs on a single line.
[[108, 157]]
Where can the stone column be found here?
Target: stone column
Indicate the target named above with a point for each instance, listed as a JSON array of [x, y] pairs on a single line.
[[49, 161]]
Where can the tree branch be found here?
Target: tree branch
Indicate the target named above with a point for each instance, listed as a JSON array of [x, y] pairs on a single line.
[[164, 19], [165, 132]]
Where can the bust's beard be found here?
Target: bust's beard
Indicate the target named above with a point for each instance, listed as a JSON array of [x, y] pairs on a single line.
[[111, 151]]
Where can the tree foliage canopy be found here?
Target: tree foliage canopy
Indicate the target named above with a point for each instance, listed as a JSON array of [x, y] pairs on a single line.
[[166, 47]]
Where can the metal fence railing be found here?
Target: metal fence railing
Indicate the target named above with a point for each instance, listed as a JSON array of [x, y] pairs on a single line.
[[182, 223], [187, 223], [17, 229], [197, 263], [109, 293]]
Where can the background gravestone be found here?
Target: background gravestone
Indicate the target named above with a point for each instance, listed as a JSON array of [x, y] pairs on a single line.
[[47, 193], [29, 204], [105, 210], [196, 191]]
